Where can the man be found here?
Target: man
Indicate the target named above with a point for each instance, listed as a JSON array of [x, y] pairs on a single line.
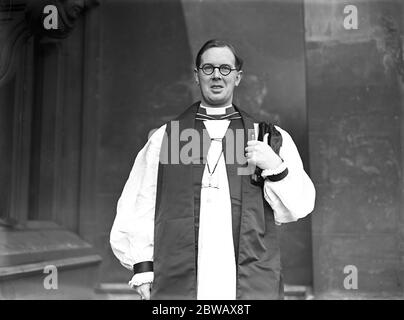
[[202, 229]]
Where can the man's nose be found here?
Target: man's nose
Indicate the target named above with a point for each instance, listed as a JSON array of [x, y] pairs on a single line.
[[216, 73]]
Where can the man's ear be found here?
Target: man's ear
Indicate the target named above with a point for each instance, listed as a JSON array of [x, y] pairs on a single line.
[[196, 76], [238, 78]]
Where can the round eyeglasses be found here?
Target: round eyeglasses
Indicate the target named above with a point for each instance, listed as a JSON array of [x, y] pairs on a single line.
[[224, 69]]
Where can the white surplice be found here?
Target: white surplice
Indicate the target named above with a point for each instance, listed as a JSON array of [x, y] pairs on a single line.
[[131, 236]]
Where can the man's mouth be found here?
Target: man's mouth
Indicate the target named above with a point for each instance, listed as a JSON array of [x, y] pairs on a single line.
[[216, 87]]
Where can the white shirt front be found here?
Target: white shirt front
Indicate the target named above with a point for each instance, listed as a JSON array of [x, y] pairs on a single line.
[[215, 238]]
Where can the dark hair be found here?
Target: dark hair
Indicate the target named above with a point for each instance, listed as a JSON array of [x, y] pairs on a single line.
[[216, 43]]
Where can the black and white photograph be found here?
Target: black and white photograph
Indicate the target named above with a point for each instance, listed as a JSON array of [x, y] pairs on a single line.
[[201, 150]]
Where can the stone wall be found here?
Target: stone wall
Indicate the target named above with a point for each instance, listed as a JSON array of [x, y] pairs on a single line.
[[355, 115]]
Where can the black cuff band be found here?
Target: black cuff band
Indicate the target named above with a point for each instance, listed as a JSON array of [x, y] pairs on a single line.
[[144, 266], [279, 176]]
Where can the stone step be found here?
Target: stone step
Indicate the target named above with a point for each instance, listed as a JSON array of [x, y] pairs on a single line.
[[117, 291], [70, 278]]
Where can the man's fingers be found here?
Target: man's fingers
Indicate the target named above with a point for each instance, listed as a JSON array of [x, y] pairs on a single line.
[[251, 158], [144, 291], [253, 142]]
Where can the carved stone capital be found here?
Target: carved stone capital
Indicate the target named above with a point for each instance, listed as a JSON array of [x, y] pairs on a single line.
[[21, 19], [68, 12]]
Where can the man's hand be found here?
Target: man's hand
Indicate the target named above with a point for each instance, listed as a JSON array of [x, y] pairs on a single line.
[[259, 153], [144, 291]]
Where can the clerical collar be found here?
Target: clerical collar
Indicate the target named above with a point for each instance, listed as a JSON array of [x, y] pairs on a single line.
[[212, 113]]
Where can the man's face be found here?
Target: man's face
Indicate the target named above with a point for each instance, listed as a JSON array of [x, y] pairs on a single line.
[[217, 89]]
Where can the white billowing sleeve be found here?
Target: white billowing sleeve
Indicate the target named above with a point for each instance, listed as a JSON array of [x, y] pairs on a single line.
[[132, 233], [293, 197]]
